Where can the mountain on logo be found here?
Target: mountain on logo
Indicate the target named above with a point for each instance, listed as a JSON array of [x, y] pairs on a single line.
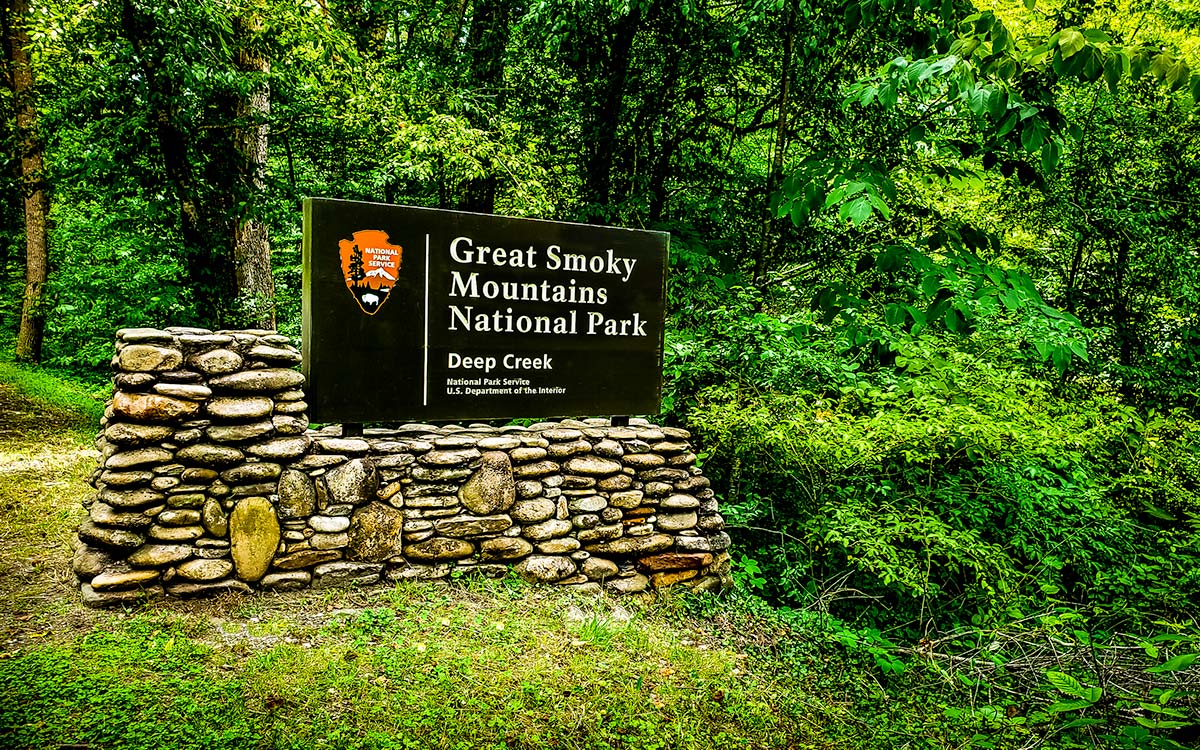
[[370, 265], [381, 273]]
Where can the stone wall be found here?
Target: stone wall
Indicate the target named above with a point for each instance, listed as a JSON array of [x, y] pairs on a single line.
[[210, 480]]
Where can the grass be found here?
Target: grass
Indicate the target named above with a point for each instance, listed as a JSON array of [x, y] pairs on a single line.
[[468, 664], [471, 664]]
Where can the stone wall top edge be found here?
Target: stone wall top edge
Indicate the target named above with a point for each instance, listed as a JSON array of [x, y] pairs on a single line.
[[330, 439]]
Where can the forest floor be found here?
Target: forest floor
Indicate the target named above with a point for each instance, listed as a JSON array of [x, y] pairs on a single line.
[[482, 664]]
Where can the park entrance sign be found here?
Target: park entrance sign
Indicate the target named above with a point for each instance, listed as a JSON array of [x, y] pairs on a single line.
[[422, 314]]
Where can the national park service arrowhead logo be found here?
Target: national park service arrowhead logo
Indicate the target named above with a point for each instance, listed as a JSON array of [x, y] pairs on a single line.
[[370, 265]]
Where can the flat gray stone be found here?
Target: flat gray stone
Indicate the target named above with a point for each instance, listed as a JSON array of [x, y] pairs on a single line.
[[127, 433], [627, 546], [459, 526], [289, 581], [138, 457], [259, 381], [279, 448], [244, 407], [239, 433], [112, 538], [191, 392], [346, 573], [158, 555], [209, 455]]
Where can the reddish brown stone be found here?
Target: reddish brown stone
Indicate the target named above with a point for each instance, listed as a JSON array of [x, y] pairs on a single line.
[[662, 580], [675, 561], [148, 407]]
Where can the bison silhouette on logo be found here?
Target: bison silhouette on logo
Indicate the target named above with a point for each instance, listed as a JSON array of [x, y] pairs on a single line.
[[371, 265]]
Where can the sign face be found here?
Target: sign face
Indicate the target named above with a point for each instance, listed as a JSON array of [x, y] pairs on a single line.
[[421, 314]]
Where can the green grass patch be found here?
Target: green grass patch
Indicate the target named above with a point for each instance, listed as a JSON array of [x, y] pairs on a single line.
[[79, 399]]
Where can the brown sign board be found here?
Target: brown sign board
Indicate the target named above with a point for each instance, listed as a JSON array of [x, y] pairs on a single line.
[[428, 315]]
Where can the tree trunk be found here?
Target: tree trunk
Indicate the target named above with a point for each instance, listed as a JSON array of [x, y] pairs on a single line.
[[206, 234], [600, 129], [33, 185], [779, 146], [251, 246], [487, 43]]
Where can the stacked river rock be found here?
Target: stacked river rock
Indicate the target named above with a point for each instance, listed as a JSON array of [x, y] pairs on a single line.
[[211, 481]]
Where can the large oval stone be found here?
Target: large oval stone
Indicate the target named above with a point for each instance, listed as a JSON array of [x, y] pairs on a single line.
[[270, 379], [204, 570], [253, 537], [492, 488], [375, 533], [545, 568], [147, 358], [533, 511], [504, 548], [206, 454]]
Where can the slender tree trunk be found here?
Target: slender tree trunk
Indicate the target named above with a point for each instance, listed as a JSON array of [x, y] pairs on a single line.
[[33, 185], [487, 43], [251, 246], [779, 145], [206, 234], [600, 129]]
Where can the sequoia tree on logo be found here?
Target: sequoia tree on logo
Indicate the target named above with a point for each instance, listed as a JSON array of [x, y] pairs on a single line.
[[371, 265]]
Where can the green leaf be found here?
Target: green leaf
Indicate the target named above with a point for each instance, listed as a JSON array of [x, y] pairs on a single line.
[[1033, 134], [1112, 71], [1065, 683], [998, 104], [1177, 664], [1194, 87], [1138, 64], [1008, 123], [1079, 349], [1057, 708], [799, 212], [1070, 41], [858, 210], [1177, 75], [892, 258], [1050, 155], [1029, 4]]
